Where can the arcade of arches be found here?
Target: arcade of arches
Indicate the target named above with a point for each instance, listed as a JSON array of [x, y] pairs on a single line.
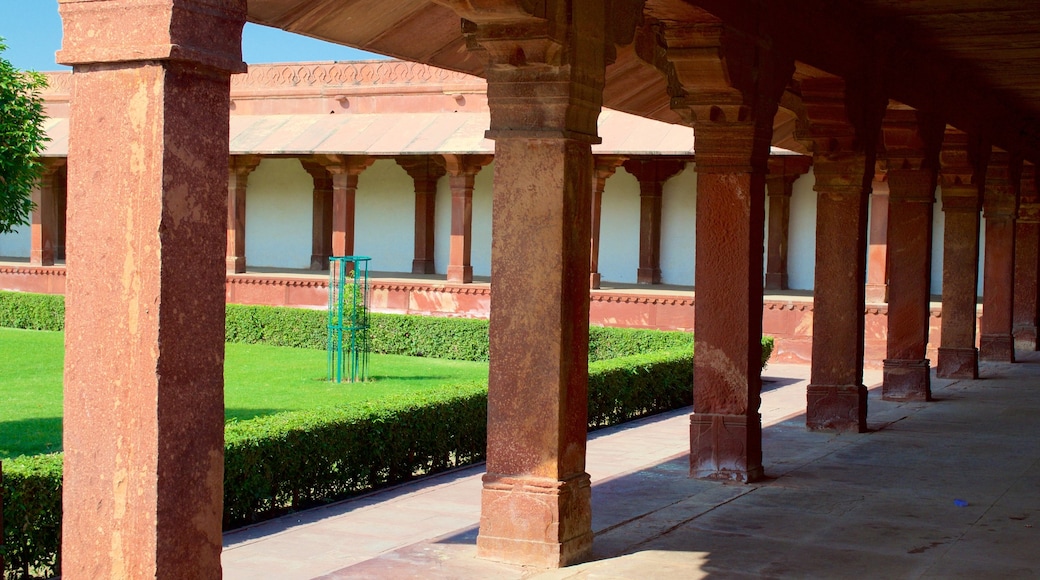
[[933, 91]]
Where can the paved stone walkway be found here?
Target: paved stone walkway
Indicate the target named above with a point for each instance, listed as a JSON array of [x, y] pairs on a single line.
[[885, 504]]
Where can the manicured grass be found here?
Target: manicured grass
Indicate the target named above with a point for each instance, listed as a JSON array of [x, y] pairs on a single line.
[[258, 380]]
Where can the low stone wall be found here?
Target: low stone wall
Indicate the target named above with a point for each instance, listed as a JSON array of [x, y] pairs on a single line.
[[788, 320]]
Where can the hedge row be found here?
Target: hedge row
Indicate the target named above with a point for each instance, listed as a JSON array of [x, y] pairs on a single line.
[[32, 311], [32, 515], [294, 460]]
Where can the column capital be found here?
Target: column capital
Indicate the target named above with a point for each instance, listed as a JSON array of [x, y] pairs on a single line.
[[1028, 192], [1003, 175], [653, 172], [783, 171], [458, 165], [606, 165], [962, 162], [350, 165], [201, 32], [727, 88], [910, 139], [243, 165], [420, 167]]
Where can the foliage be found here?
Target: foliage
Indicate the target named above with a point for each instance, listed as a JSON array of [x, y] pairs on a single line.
[[300, 459], [634, 386], [32, 516], [32, 311], [21, 141]]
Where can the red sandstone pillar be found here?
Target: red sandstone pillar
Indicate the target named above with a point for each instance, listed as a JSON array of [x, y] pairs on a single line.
[[144, 333], [604, 167], [911, 143], [462, 171], [732, 116], [239, 168], [345, 170], [424, 170], [999, 206], [535, 505], [784, 170], [45, 215], [843, 141], [876, 291], [321, 214], [1027, 262], [962, 173], [651, 173]]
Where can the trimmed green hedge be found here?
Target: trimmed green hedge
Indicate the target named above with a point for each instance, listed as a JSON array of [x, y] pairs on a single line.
[[294, 460], [300, 459], [32, 311], [32, 515]]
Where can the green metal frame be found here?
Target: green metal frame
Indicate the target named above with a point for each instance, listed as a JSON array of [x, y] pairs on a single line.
[[348, 344]]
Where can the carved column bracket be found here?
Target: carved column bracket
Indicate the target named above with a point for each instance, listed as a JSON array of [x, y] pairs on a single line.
[[962, 174], [843, 123], [784, 170], [321, 213], [910, 147], [651, 173], [604, 167], [239, 168], [425, 171], [345, 170], [46, 214], [462, 171], [728, 88], [999, 207]]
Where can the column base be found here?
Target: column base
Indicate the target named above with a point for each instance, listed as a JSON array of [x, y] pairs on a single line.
[[460, 274], [776, 281], [236, 265], [958, 363], [726, 447], [319, 262], [1025, 338], [648, 276], [997, 348], [907, 380], [423, 267], [594, 280], [840, 408], [535, 521]]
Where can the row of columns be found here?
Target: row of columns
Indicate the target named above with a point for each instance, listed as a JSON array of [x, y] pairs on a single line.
[[149, 220]]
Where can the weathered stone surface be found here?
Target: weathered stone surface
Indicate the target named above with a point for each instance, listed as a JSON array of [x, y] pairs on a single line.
[[239, 168], [651, 173], [462, 171], [784, 170], [424, 170], [1000, 207], [1027, 263], [907, 380], [605, 166], [144, 417], [962, 173]]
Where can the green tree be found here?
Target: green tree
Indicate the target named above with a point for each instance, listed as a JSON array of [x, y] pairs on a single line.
[[21, 140]]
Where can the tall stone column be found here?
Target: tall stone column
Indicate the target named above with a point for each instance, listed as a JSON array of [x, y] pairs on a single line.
[[604, 167], [345, 170], [651, 173], [842, 126], [962, 172], [545, 83], [424, 170], [144, 330], [1027, 262], [321, 214], [999, 207], [784, 170], [731, 109], [462, 171], [910, 142], [876, 291], [239, 168], [45, 216]]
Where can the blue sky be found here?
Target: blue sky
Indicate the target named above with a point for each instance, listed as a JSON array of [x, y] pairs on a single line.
[[32, 31]]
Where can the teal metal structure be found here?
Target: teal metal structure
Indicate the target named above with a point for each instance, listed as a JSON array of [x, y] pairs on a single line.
[[348, 344]]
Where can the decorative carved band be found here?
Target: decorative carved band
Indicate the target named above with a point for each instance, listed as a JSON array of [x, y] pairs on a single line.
[[362, 73]]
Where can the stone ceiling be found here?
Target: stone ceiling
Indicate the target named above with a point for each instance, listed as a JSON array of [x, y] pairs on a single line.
[[976, 62]]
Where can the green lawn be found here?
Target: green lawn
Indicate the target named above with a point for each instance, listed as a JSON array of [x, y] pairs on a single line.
[[258, 380]]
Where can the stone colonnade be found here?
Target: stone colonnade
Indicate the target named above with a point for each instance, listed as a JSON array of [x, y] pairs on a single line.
[[149, 219]]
